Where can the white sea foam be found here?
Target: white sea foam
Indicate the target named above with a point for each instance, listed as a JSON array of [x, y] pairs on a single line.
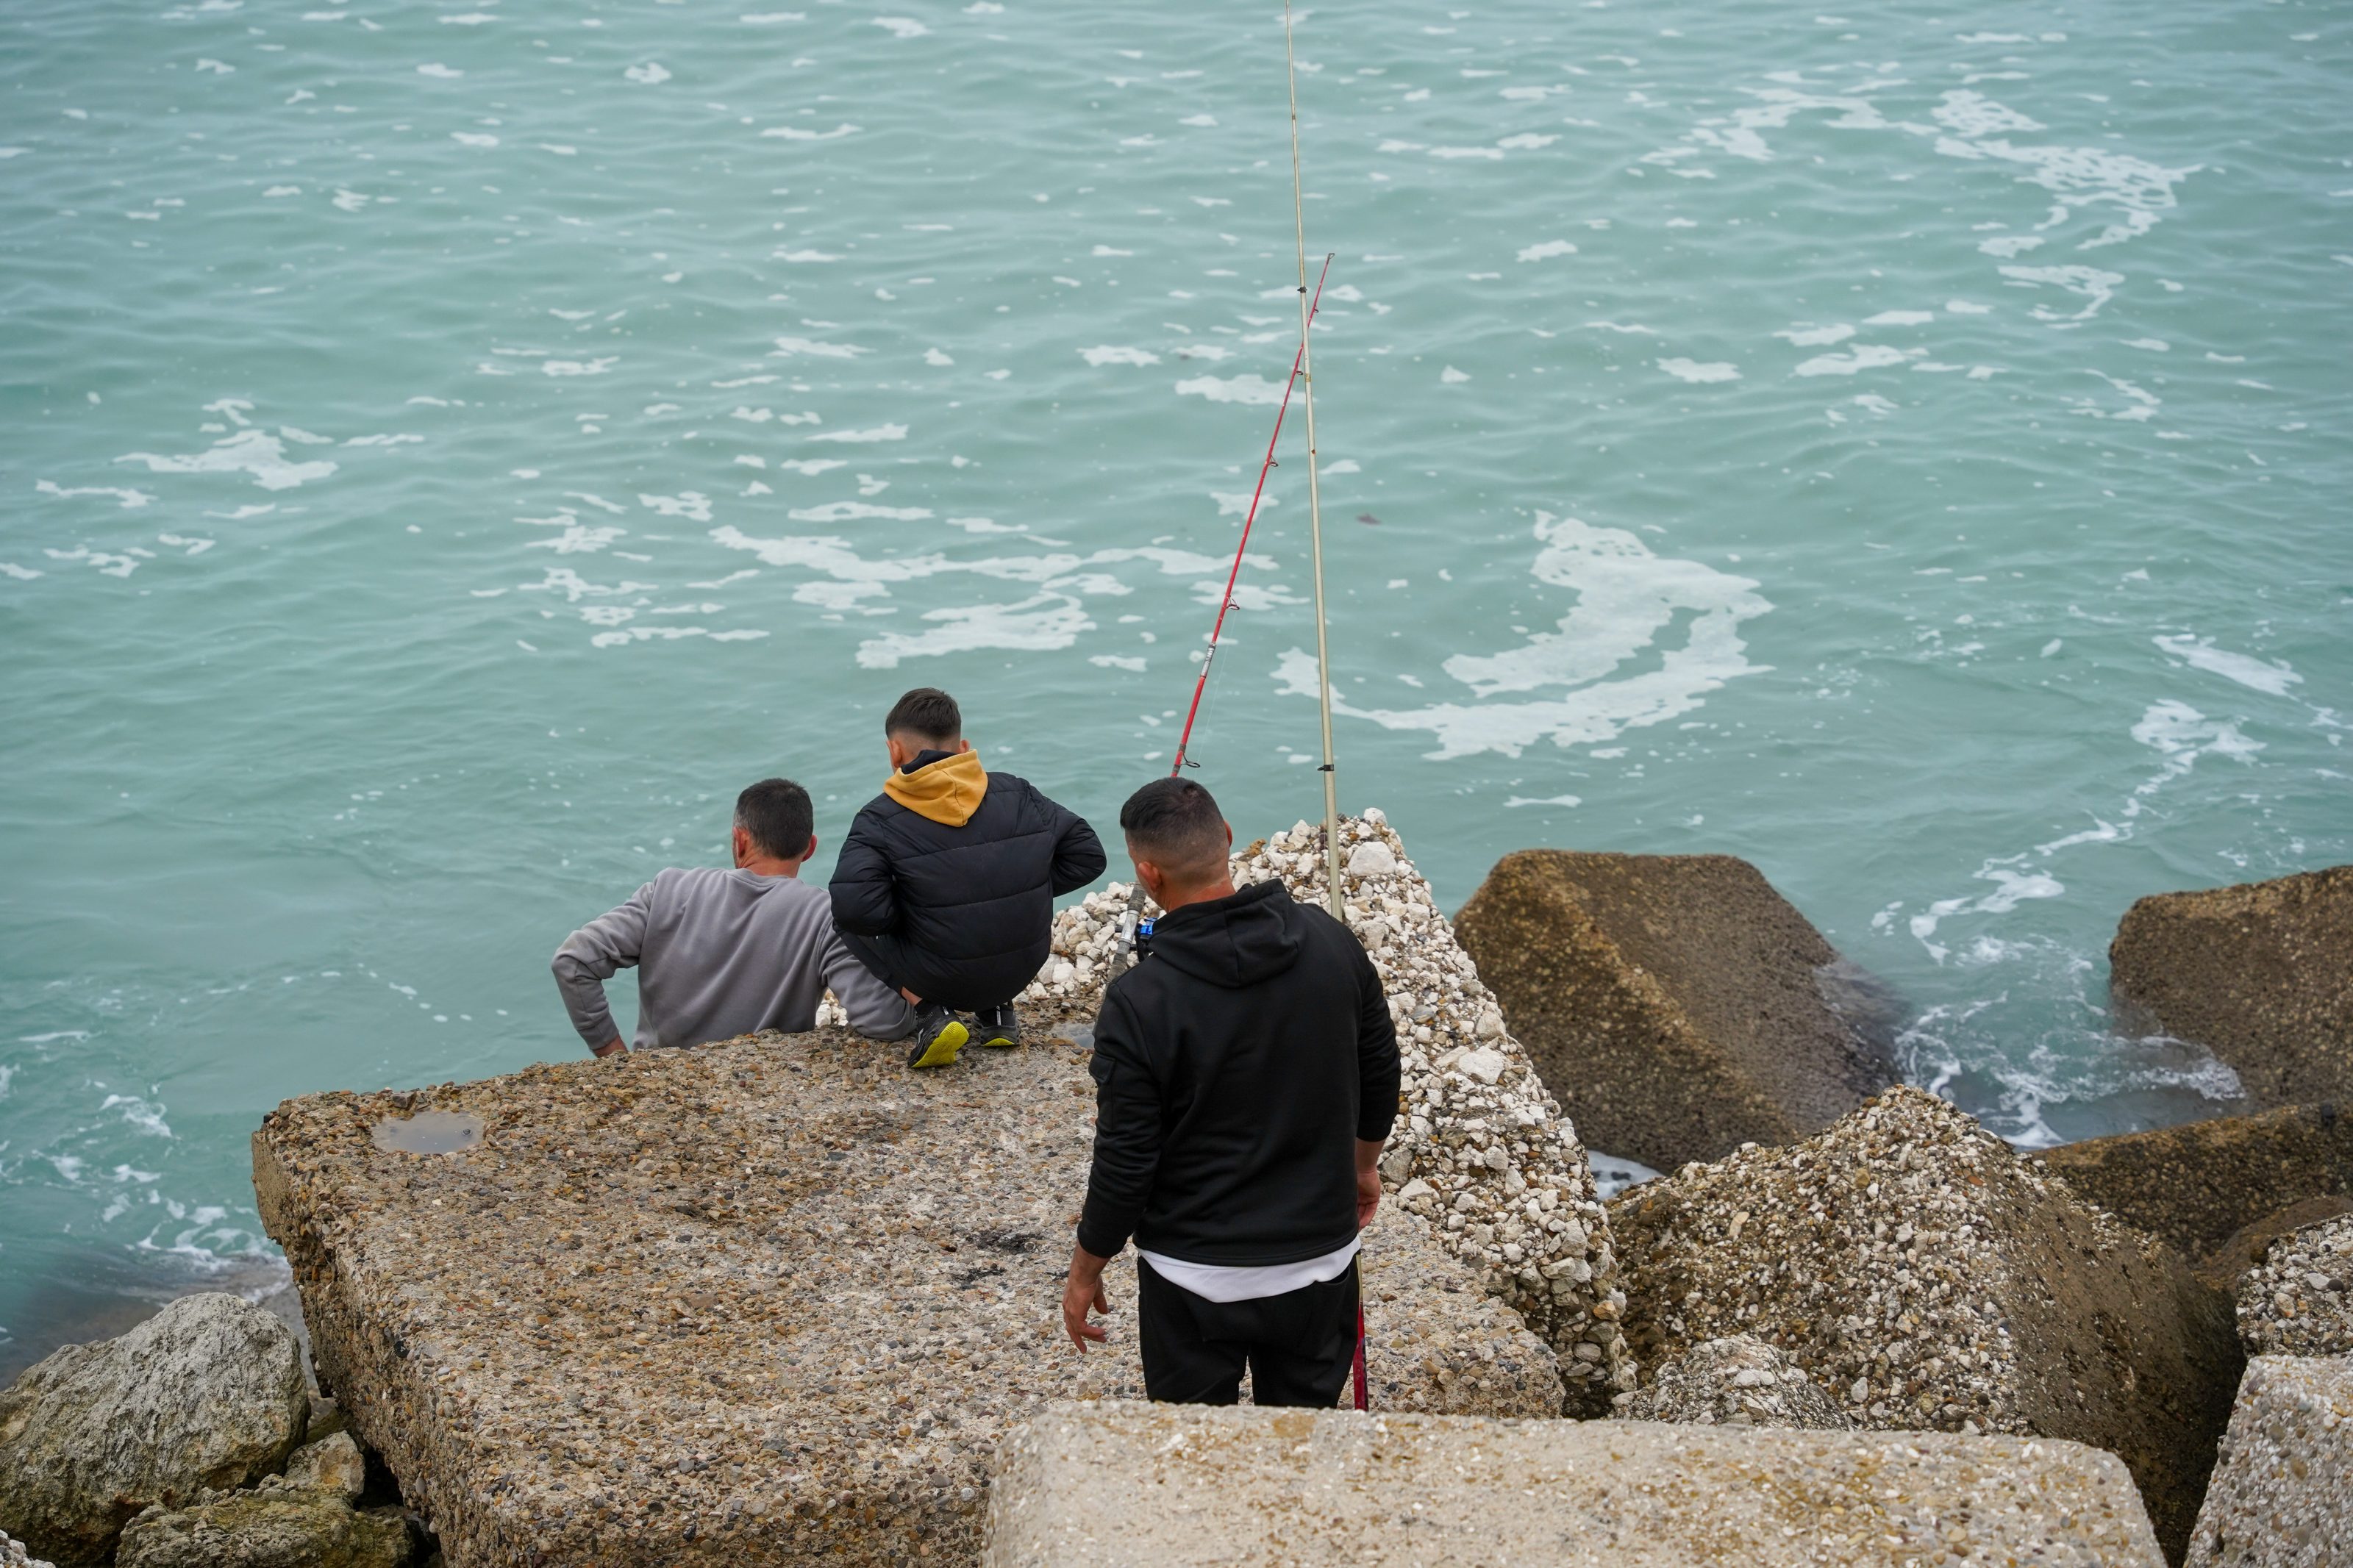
[[795, 134], [127, 499], [247, 451], [1546, 250], [901, 26], [877, 433], [653, 73], [1249, 389], [788, 348], [1112, 354], [1865, 356], [2273, 677], [1693, 371], [1626, 598], [1815, 337]]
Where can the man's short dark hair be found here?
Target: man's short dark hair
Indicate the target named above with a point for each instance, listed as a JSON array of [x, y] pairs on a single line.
[[778, 815], [1176, 824], [928, 714]]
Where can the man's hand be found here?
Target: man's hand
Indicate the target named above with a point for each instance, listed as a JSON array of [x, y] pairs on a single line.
[[611, 1047], [1368, 1181], [1082, 1291]]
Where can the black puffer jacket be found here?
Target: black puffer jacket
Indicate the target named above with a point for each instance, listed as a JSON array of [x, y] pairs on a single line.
[[961, 892]]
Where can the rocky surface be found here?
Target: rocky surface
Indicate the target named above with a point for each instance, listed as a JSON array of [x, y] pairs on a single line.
[[277, 1527], [1927, 1276], [2299, 1300], [2195, 1186], [1174, 1486], [2261, 975], [13, 1555], [2252, 1243], [1481, 1149], [1678, 998], [768, 1301], [1735, 1382], [2283, 1492], [332, 1465], [207, 1393]]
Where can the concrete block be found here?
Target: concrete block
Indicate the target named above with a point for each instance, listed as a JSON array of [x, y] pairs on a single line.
[[2282, 1490]]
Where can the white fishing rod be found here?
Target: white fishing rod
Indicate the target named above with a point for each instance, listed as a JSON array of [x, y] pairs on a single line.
[[1315, 497]]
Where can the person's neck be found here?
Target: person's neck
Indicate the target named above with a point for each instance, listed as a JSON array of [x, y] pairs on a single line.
[[1171, 899], [763, 866]]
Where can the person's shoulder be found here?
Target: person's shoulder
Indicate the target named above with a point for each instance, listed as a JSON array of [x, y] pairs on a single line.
[[882, 809]]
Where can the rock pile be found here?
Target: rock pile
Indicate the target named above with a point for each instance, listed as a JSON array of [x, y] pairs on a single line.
[[1481, 1149], [1734, 1382], [2255, 973], [1135, 1486], [1929, 1278], [209, 1394], [769, 1302], [2282, 1490], [2299, 1300], [1684, 1002], [13, 1555]]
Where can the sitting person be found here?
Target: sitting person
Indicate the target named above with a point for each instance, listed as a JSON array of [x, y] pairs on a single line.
[[720, 952], [946, 886]]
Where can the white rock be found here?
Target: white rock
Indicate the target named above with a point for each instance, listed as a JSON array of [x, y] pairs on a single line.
[[1372, 859], [1484, 1065]]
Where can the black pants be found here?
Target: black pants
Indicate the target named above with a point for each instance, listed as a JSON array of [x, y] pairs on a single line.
[[902, 968], [1300, 1346]]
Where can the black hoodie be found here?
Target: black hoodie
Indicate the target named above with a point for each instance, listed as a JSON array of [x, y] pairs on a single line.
[[1235, 1068]]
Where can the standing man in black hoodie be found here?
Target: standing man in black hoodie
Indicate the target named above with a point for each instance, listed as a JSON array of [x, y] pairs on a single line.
[[1245, 1078]]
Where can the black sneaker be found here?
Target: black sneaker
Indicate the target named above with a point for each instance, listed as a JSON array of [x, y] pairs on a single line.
[[996, 1026], [938, 1036]]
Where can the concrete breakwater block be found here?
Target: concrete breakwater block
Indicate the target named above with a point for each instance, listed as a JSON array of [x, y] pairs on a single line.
[[1114, 1485], [1481, 1149], [1928, 1277], [1683, 1002], [2196, 1186], [2260, 974], [2299, 1300], [2283, 1492], [770, 1302]]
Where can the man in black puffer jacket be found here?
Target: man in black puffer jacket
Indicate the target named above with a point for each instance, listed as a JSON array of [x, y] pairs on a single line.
[[946, 883]]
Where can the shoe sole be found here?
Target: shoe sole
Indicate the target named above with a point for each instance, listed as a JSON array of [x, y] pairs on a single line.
[[1001, 1042], [940, 1049]]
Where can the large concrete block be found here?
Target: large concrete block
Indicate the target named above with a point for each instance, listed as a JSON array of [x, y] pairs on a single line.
[[2196, 1186], [1129, 1486], [2299, 1300], [770, 1301], [2283, 1492], [1928, 1277], [1676, 1002], [2260, 974]]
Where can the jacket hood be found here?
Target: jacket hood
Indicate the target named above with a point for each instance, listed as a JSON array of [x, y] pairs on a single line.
[[947, 789], [1233, 941]]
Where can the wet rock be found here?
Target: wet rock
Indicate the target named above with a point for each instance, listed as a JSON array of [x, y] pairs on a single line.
[[1119, 1484], [768, 1301], [1927, 1276], [2194, 1185], [273, 1529], [2299, 1300], [331, 1464], [1481, 1149], [13, 1555], [2253, 1243], [208, 1393], [1735, 1382], [1678, 998], [2256, 973], [2282, 1490]]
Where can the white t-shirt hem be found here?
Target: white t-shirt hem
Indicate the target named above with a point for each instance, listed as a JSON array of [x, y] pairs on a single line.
[[1219, 1282]]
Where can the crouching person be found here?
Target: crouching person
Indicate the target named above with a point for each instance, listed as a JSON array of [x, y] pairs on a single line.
[[1245, 1078], [725, 952]]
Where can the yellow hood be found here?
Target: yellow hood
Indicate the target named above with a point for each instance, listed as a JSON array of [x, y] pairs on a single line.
[[947, 791]]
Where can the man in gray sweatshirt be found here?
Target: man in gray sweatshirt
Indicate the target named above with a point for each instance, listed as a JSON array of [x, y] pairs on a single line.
[[720, 952]]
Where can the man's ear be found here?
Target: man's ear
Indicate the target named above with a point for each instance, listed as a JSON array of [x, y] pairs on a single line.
[[741, 842], [1229, 839], [963, 745], [810, 852]]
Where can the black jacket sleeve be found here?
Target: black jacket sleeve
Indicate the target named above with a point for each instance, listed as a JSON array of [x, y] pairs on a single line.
[[1078, 853], [1127, 1133], [1377, 1069], [865, 899]]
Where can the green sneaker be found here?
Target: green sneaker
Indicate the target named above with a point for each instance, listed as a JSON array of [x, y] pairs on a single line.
[[938, 1037]]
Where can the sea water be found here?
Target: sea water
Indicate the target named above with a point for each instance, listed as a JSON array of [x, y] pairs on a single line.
[[450, 449]]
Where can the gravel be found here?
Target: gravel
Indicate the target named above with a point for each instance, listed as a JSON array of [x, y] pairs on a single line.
[[1481, 1150], [13, 1555], [1735, 1382], [2299, 1300]]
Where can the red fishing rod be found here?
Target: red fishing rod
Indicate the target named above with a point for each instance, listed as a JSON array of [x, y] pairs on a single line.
[[1134, 911]]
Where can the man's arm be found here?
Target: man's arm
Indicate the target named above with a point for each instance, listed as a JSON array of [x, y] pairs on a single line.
[[1126, 1158], [590, 956], [1078, 853], [876, 1010], [1378, 1073], [865, 899]]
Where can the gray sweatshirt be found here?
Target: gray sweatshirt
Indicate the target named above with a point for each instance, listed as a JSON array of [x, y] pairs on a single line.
[[722, 953]]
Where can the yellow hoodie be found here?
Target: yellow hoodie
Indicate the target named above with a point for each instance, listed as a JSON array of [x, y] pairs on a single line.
[[947, 791]]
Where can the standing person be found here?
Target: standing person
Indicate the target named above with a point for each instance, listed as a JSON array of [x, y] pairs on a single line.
[[946, 886], [721, 954], [1246, 1076]]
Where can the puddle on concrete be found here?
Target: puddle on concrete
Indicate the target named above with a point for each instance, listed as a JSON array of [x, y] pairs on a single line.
[[430, 1133]]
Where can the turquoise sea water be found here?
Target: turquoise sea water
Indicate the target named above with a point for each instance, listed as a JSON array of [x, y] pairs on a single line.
[[447, 449]]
